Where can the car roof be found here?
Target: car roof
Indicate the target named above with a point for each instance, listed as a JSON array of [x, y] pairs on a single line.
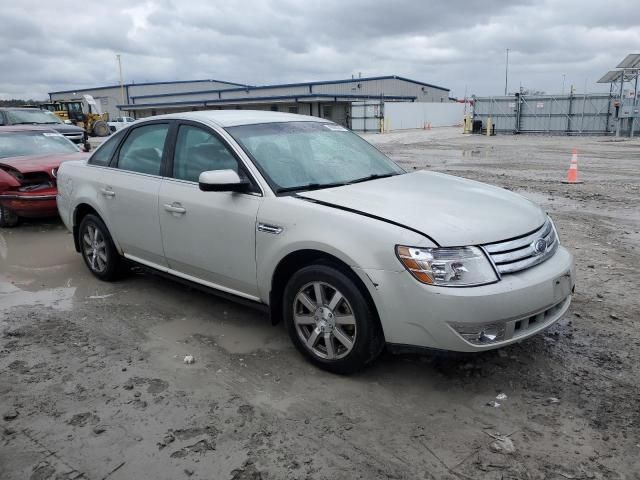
[[232, 118], [25, 128]]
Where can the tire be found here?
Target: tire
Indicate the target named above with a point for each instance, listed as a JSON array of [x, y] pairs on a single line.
[[101, 129], [97, 249], [346, 332], [8, 218]]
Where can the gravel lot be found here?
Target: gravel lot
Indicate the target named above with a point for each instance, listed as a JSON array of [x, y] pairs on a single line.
[[93, 383]]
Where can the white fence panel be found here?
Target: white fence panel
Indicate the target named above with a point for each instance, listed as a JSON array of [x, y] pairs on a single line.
[[407, 115]]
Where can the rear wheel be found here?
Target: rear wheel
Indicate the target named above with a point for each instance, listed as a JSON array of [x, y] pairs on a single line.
[[330, 321], [97, 248], [8, 218]]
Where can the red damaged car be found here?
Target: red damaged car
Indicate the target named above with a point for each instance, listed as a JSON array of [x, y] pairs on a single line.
[[29, 161]]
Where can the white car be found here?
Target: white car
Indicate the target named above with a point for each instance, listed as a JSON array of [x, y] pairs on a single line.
[[120, 122], [304, 218]]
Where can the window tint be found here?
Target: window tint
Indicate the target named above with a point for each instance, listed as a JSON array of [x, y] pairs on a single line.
[[104, 152], [142, 150], [199, 151]]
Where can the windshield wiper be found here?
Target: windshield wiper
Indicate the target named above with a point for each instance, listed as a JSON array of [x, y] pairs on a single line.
[[374, 176], [24, 123], [309, 186]]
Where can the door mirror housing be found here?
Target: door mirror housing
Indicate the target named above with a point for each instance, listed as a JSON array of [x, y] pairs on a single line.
[[222, 181]]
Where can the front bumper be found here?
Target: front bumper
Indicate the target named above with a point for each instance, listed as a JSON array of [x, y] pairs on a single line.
[[33, 205], [520, 305]]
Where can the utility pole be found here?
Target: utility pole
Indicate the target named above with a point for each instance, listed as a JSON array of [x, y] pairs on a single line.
[[506, 75], [121, 82]]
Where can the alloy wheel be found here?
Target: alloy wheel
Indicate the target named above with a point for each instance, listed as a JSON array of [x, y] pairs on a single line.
[[95, 248], [324, 320]]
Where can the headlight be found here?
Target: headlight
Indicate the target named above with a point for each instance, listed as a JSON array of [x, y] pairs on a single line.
[[447, 266]]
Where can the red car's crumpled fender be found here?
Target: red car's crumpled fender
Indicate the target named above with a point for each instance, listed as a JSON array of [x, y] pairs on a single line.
[[7, 181]]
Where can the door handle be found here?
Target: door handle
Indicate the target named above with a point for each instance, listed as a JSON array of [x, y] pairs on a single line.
[[107, 192], [175, 208]]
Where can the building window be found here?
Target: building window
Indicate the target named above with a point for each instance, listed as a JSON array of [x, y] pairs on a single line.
[[327, 111], [274, 108], [293, 109]]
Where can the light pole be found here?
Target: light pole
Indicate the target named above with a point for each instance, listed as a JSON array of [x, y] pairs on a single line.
[[121, 82], [506, 74]]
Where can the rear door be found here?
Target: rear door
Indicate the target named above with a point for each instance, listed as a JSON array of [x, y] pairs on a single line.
[[130, 191], [209, 236]]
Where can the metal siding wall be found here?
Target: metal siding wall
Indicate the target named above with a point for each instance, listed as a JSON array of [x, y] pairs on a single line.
[[590, 113], [408, 115]]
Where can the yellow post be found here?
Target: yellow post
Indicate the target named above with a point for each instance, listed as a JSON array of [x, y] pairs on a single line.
[[489, 126], [467, 124]]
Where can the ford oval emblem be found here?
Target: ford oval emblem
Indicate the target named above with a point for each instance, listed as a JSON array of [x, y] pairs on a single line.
[[539, 246]]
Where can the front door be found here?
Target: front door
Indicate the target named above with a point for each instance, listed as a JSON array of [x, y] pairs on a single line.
[[130, 190], [208, 236]]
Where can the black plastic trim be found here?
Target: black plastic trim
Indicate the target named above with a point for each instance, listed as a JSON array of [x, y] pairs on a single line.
[[213, 291]]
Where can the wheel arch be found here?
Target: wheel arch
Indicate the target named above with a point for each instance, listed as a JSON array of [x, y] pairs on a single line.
[[298, 259], [80, 211]]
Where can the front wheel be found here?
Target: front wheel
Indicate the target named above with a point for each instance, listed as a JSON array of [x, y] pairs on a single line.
[[98, 251], [8, 218], [330, 321]]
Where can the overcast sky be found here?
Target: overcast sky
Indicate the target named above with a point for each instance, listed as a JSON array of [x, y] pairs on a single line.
[[60, 45]]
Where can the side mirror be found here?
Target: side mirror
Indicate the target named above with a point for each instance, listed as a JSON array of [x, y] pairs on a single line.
[[222, 181], [86, 147]]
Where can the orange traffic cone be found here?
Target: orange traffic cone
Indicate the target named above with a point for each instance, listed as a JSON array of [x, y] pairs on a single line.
[[572, 174]]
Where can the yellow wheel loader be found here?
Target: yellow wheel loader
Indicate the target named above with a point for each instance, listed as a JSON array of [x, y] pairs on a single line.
[[85, 113]]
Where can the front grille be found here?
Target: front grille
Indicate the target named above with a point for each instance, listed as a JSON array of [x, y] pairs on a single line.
[[520, 253]]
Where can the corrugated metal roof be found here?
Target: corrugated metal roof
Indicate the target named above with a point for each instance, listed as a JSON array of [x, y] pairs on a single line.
[[293, 85], [254, 87], [308, 97], [148, 83]]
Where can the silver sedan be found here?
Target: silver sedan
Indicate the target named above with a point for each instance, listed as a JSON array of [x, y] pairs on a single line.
[[301, 217]]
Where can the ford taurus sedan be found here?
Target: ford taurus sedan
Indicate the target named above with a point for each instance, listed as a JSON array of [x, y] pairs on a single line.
[[306, 219]]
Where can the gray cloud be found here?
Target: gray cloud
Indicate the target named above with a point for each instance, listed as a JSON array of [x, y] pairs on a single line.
[[459, 44]]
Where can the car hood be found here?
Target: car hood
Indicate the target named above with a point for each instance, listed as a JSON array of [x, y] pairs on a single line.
[[38, 163], [452, 211]]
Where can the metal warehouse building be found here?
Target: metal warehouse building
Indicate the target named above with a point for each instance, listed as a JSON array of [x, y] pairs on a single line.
[[357, 103]]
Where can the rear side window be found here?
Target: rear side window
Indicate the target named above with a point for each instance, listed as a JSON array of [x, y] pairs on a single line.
[[103, 154], [142, 150]]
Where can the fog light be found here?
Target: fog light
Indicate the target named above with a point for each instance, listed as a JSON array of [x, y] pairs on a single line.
[[480, 334]]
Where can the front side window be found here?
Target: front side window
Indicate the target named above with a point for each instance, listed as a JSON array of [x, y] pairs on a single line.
[[103, 154], [200, 151], [142, 150], [310, 155]]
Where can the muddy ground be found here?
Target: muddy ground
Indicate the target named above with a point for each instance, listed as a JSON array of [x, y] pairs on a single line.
[[93, 384]]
